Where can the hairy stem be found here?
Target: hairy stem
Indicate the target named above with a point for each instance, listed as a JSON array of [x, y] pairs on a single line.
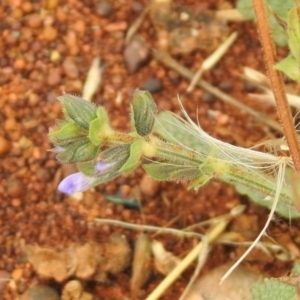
[[283, 109]]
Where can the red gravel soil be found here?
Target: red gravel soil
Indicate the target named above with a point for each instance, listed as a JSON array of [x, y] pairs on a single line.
[[46, 48]]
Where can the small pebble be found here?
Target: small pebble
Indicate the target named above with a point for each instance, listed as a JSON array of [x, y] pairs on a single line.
[[5, 146], [79, 26], [149, 186], [33, 99], [54, 77], [17, 274], [15, 188], [34, 20], [249, 87], [10, 124], [43, 175], [52, 4], [16, 202], [226, 86], [27, 7], [235, 287], [5, 277], [50, 33], [104, 9], [40, 292], [208, 97], [137, 6], [153, 85], [70, 68], [72, 290], [17, 14], [54, 55], [20, 63], [136, 54]]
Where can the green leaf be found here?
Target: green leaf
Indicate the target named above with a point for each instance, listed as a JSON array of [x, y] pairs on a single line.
[[199, 181], [117, 153], [143, 111], [86, 151], [80, 111], [296, 268], [66, 155], [293, 31], [97, 126], [290, 67], [87, 167], [105, 177], [134, 159], [130, 202], [78, 151], [280, 7], [67, 133], [285, 209], [161, 172], [272, 289]]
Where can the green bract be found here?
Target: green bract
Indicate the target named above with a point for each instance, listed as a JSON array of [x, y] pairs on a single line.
[[78, 110], [143, 110], [98, 126], [134, 159], [67, 133]]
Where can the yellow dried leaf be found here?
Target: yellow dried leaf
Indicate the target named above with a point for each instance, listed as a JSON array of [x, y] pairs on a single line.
[[141, 264], [164, 261], [93, 80]]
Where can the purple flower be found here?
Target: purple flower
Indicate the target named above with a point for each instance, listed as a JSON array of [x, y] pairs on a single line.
[[78, 182]]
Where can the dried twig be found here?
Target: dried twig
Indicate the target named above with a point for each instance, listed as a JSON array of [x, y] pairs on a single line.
[[136, 26], [150, 228], [185, 263], [212, 60], [166, 59]]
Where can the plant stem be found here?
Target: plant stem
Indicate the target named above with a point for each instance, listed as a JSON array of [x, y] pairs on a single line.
[[277, 85], [206, 163]]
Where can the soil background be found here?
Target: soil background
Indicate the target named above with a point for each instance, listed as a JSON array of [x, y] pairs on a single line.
[[46, 48]]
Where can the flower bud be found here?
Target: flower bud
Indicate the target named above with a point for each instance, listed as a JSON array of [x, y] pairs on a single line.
[[81, 150], [143, 111], [79, 182], [66, 133], [78, 110]]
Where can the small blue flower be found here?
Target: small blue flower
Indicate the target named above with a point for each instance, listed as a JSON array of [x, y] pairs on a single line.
[[78, 182]]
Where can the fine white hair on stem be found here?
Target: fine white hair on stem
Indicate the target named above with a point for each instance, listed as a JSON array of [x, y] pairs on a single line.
[[255, 163], [280, 180], [186, 166], [224, 152], [173, 137], [237, 155]]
